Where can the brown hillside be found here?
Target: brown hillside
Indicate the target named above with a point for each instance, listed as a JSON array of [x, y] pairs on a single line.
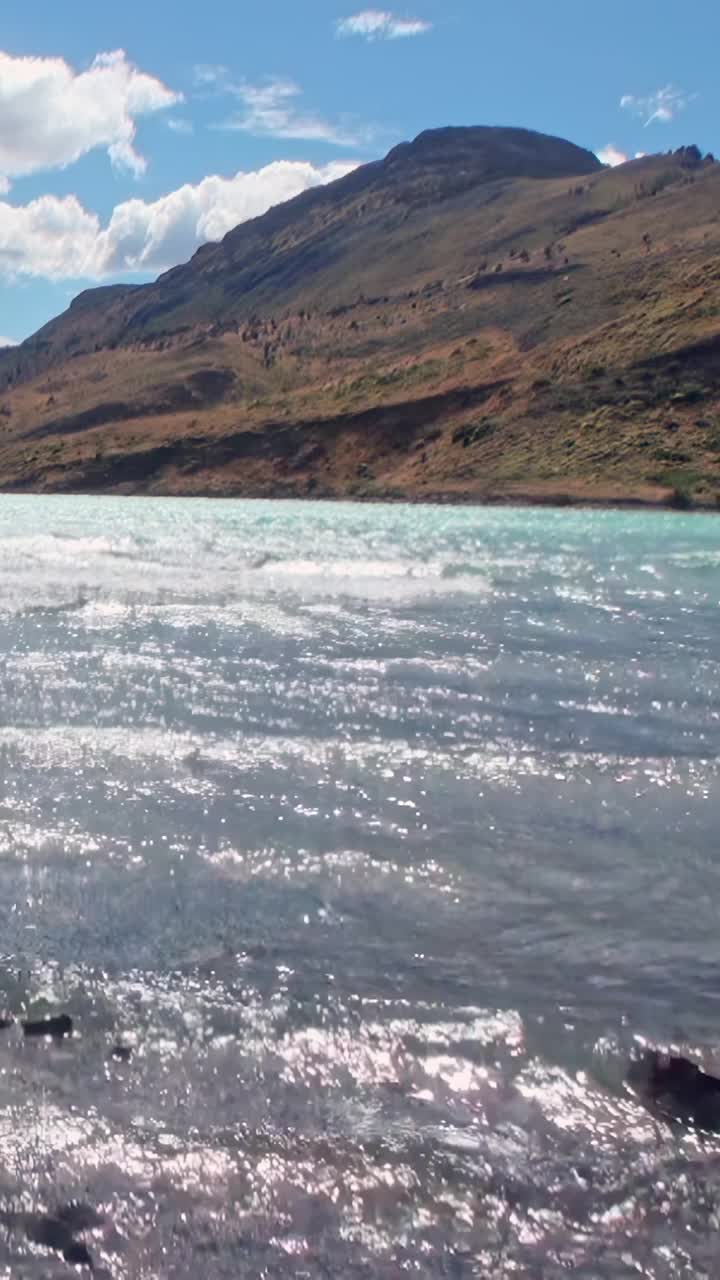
[[486, 313]]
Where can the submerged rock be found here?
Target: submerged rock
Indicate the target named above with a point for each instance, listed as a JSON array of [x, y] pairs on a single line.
[[677, 1087], [58, 1027], [58, 1233], [79, 1217], [78, 1255], [49, 1232]]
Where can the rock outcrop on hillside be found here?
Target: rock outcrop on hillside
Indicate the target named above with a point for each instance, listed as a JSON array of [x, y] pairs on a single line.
[[486, 313]]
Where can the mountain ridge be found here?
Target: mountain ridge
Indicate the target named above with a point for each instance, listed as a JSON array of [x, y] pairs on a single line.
[[471, 267], [488, 154]]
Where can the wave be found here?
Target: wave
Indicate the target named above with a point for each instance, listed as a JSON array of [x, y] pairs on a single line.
[[61, 606]]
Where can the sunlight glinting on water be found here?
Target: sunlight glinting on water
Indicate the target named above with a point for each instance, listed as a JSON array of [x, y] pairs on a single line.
[[362, 845]]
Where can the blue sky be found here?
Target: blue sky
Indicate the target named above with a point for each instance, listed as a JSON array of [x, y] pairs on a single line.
[[129, 134]]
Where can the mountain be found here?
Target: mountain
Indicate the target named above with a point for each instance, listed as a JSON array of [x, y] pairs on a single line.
[[486, 313]]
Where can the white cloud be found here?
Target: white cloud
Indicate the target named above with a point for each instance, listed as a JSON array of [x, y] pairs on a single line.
[[50, 236], [611, 155], [272, 110], [123, 156], [661, 106], [151, 237], [51, 115], [178, 124], [379, 24], [210, 73], [8, 342], [57, 238]]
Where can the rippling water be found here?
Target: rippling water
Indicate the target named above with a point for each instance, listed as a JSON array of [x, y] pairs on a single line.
[[379, 834]]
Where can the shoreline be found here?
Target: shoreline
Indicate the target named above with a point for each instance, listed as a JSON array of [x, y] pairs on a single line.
[[557, 499]]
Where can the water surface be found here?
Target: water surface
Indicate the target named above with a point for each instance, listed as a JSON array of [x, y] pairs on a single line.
[[379, 834]]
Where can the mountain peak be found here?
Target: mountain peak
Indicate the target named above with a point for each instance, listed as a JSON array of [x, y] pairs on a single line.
[[485, 308], [494, 151]]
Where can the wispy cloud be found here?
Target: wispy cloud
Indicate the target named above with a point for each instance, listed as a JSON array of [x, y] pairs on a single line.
[[178, 124], [380, 24], [210, 73], [274, 110], [657, 108]]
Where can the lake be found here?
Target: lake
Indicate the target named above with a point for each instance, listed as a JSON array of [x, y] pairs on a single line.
[[377, 837]]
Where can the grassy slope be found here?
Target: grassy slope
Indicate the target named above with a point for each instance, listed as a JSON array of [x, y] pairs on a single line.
[[365, 342]]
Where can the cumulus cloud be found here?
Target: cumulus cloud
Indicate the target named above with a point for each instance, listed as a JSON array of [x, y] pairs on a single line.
[[379, 24], [52, 115], [611, 155], [50, 236], [659, 107], [57, 238], [152, 236], [8, 342]]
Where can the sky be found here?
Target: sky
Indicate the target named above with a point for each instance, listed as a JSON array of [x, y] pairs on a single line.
[[130, 134]]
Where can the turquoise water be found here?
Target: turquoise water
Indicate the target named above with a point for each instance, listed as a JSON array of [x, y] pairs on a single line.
[[380, 835]]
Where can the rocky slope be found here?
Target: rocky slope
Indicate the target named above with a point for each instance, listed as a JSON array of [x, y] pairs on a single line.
[[486, 313]]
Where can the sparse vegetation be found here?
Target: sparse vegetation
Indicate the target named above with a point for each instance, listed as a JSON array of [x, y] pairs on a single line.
[[559, 337], [474, 433]]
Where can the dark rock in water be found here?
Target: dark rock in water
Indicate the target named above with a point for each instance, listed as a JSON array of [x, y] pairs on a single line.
[[58, 1232], [677, 1088], [121, 1053], [57, 1027], [51, 1233], [79, 1217], [5, 1023], [78, 1255]]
